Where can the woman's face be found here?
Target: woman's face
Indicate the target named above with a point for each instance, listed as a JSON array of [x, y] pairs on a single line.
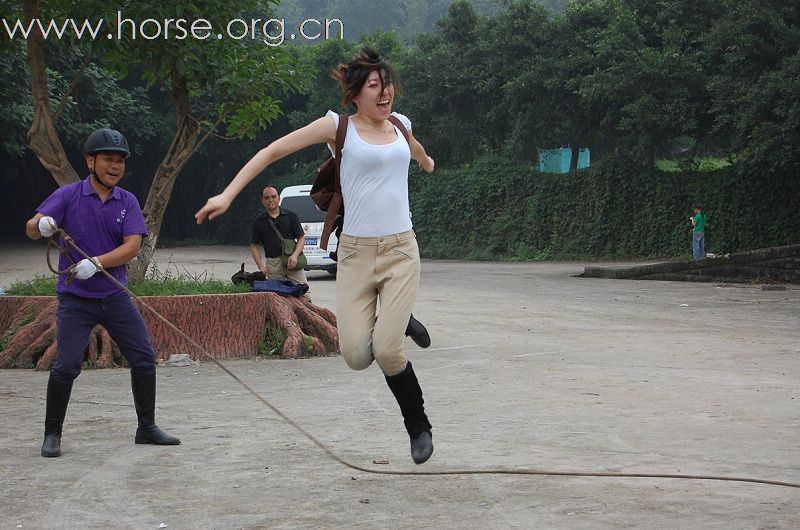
[[371, 101]]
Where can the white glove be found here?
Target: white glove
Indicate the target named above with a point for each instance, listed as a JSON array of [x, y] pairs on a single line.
[[47, 226], [85, 269]]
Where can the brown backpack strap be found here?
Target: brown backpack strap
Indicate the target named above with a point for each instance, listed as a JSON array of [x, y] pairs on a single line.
[[336, 199], [399, 124], [330, 220], [341, 134]]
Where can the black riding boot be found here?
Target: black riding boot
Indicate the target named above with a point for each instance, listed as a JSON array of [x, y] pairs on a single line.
[[406, 390], [56, 409], [418, 333], [144, 397]]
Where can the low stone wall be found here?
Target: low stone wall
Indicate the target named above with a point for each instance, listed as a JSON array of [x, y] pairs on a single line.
[[774, 264]]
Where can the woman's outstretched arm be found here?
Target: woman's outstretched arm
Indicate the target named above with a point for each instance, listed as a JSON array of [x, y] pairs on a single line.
[[319, 131]]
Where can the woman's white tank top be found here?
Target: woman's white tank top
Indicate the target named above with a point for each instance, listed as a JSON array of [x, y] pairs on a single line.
[[375, 183]]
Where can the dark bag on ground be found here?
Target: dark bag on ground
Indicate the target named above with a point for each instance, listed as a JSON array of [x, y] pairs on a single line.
[[326, 192], [259, 283], [283, 287], [249, 277]]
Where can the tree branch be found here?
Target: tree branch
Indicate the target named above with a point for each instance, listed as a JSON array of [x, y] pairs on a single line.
[[72, 85], [42, 136]]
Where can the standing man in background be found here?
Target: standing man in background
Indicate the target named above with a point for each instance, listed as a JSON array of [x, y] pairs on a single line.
[[698, 232], [266, 228]]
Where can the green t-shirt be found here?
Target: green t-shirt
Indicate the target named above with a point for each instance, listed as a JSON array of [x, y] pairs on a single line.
[[700, 222]]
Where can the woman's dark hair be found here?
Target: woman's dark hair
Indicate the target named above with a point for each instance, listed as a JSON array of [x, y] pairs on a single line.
[[353, 75]]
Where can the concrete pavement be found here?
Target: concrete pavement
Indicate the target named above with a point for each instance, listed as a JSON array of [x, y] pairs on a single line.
[[529, 368]]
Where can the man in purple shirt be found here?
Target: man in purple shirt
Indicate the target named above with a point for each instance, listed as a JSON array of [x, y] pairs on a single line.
[[106, 222]]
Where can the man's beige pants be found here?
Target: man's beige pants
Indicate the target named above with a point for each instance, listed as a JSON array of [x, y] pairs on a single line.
[[276, 270], [369, 270]]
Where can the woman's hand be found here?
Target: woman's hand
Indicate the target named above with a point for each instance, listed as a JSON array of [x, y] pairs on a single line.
[[215, 206], [427, 164]]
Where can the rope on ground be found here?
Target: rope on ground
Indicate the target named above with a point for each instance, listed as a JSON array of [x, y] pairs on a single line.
[[68, 242]]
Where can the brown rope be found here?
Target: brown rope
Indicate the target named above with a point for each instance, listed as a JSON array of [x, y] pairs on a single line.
[[489, 471], [63, 247]]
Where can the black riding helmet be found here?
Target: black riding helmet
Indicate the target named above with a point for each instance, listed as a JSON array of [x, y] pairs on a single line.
[[106, 141]]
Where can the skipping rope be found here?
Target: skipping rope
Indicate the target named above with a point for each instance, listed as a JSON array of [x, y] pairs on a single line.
[[69, 243]]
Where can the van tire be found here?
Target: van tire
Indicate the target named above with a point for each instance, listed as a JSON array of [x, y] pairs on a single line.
[[331, 270]]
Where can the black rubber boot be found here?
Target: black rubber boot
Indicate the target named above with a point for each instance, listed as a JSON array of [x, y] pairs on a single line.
[[418, 333], [406, 390], [56, 409], [144, 397]]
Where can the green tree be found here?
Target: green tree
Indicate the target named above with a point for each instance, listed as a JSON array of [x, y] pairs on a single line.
[[648, 76], [216, 86], [71, 71], [577, 31], [15, 99], [362, 17], [754, 60], [443, 81], [518, 43], [665, 93]]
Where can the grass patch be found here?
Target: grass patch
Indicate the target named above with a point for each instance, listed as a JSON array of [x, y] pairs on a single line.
[[271, 343], [699, 164], [38, 286], [527, 253], [157, 283], [168, 283]]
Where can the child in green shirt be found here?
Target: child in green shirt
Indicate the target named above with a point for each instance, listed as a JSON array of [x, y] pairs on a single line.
[[698, 232]]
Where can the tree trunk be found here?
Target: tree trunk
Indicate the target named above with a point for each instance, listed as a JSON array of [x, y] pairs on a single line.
[[42, 136], [183, 146], [573, 162], [650, 156], [227, 326]]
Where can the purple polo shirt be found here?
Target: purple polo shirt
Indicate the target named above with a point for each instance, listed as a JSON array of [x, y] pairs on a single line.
[[97, 228]]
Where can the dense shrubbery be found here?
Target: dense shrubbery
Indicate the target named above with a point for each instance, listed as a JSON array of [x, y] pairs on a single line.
[[496, 209]]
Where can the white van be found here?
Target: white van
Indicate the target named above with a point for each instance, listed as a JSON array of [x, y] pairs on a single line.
[[297, 199]]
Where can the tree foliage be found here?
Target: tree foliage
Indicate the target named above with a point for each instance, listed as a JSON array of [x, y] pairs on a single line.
[[216, 86], [78, 110], [753, 56], [409, 18], [483, 81]]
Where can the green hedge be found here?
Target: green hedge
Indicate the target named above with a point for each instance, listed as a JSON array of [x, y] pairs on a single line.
[[496, 209]]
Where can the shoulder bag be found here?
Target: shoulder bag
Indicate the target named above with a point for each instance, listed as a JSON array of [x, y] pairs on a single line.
[[287, 249]]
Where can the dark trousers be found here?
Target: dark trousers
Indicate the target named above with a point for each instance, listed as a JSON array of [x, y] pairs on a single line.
[[76, 318]]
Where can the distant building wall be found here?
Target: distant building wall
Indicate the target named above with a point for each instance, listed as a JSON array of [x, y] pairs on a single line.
[[558, 160]]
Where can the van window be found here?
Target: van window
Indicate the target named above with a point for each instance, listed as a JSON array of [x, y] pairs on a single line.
[[304, 207]]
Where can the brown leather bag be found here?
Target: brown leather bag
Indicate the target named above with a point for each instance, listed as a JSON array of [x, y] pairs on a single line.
[[326, 192]]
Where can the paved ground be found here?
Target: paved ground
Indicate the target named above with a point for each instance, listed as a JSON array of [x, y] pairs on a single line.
[[529, 368]]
